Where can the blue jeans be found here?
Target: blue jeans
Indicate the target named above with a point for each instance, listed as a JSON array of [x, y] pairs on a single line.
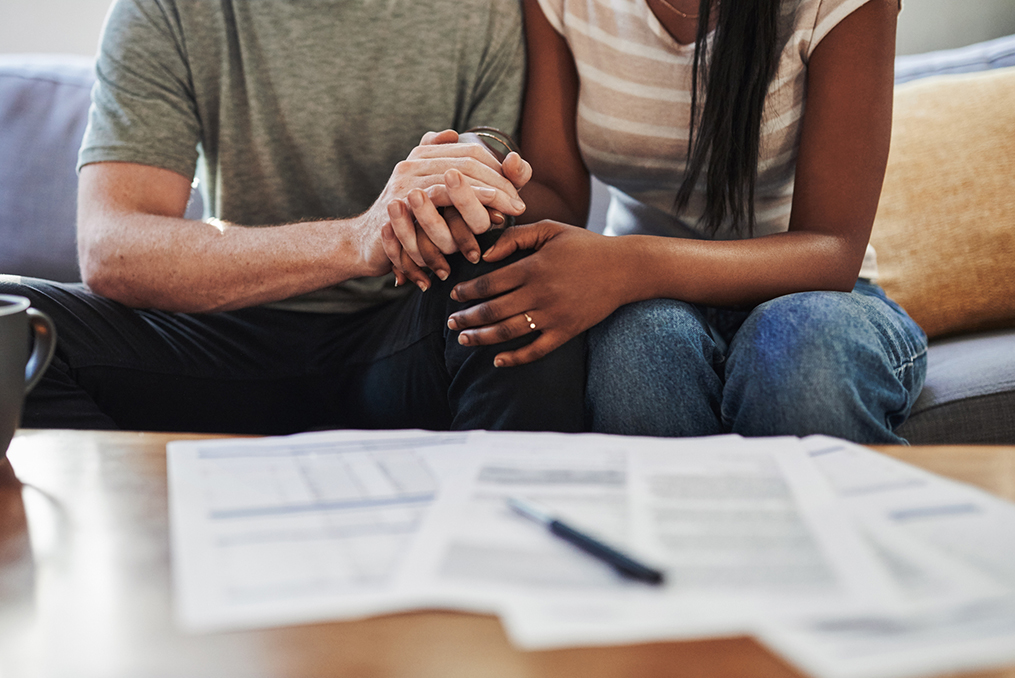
[[846, 365]]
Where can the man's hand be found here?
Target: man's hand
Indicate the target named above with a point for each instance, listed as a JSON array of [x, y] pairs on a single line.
[[418, 184], [406, 270], [419, 235]]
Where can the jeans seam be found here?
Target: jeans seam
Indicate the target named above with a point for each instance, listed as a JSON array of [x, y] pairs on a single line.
[[908, 364]]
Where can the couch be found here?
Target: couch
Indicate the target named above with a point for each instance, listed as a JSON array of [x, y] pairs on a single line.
[[969, 396]]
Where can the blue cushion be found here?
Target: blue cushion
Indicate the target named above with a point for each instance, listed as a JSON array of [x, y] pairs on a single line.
[[44, 100], [43, 105], [979, 57], [969, 396]]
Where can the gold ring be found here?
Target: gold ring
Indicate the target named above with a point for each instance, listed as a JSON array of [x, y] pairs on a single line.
[[528, 319]]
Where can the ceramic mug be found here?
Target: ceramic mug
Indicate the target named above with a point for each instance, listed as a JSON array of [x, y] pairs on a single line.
[[27, 342]]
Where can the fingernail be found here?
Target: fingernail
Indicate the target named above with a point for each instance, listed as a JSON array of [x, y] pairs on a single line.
[[396, 282], [473, 256], [452, 179], [452, 324], [422, 285], [416, 198], [463, 339], [498, 362], [518, 205], [442, 274], [496, 218], [454, 295]]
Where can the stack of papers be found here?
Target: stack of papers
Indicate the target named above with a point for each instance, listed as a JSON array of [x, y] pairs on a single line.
[[846, 562]]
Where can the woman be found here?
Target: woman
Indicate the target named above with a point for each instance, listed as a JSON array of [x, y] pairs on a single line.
[[745, 144]]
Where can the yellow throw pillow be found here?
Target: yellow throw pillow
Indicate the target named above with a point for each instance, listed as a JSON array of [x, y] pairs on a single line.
[[945, 226]]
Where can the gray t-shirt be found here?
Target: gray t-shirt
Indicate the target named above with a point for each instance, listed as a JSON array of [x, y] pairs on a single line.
[[298, 109]]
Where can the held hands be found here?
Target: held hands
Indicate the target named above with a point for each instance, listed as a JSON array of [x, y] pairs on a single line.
[[565, 287], [418, 235], [422, 176]]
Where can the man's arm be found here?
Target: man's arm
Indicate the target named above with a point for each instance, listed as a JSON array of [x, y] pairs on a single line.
[[135, 246]]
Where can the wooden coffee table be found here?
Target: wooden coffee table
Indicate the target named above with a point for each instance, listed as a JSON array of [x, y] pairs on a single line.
[[85, 587]]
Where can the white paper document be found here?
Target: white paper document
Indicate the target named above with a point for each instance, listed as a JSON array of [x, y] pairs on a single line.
[[847, 562], [742, 528], [951, 550], [287, 530]]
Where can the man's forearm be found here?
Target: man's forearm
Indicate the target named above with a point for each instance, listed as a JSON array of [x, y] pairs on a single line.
[[150, 261], [135, 246]]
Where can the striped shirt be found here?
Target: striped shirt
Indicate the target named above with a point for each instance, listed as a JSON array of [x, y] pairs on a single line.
[[634, 108]]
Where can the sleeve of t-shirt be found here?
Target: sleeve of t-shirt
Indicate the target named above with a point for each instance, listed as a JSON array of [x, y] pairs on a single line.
[[553, 10], [143, 108], [829, 14], [497, 92]]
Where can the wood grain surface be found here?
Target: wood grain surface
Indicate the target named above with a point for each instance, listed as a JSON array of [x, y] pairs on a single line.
[[85, 588]]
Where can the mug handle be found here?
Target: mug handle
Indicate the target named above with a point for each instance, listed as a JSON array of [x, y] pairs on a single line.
[[43, 348]]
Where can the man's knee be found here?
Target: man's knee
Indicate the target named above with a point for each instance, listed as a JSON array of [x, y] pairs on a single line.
[[462, 269], [31, 288], [45, 295]]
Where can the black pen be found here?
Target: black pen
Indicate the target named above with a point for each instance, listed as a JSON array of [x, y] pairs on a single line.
[[625, 565]]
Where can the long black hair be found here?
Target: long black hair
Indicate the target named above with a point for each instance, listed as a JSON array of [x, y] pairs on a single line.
[[733, 76]]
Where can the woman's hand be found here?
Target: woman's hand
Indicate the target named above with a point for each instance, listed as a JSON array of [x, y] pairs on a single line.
[[566, 286]]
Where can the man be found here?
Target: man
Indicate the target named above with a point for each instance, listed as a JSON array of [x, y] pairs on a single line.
[[275, 314]]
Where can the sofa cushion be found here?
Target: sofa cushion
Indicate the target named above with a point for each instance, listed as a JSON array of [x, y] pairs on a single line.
[[43, 111], [982, 56], [44, 102], [969, 396], [945, 226]]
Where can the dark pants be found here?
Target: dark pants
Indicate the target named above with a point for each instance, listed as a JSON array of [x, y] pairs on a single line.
[[267, 371]]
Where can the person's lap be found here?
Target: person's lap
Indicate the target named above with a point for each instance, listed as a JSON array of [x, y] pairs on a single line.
[[654, 369], [261, 370], [849, 365]]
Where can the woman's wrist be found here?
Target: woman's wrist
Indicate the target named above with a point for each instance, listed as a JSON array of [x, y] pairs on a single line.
[[636, 267]]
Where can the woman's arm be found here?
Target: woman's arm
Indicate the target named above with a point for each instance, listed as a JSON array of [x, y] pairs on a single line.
[[840, 169], [844, 142], [549, 141], [559, 187]]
